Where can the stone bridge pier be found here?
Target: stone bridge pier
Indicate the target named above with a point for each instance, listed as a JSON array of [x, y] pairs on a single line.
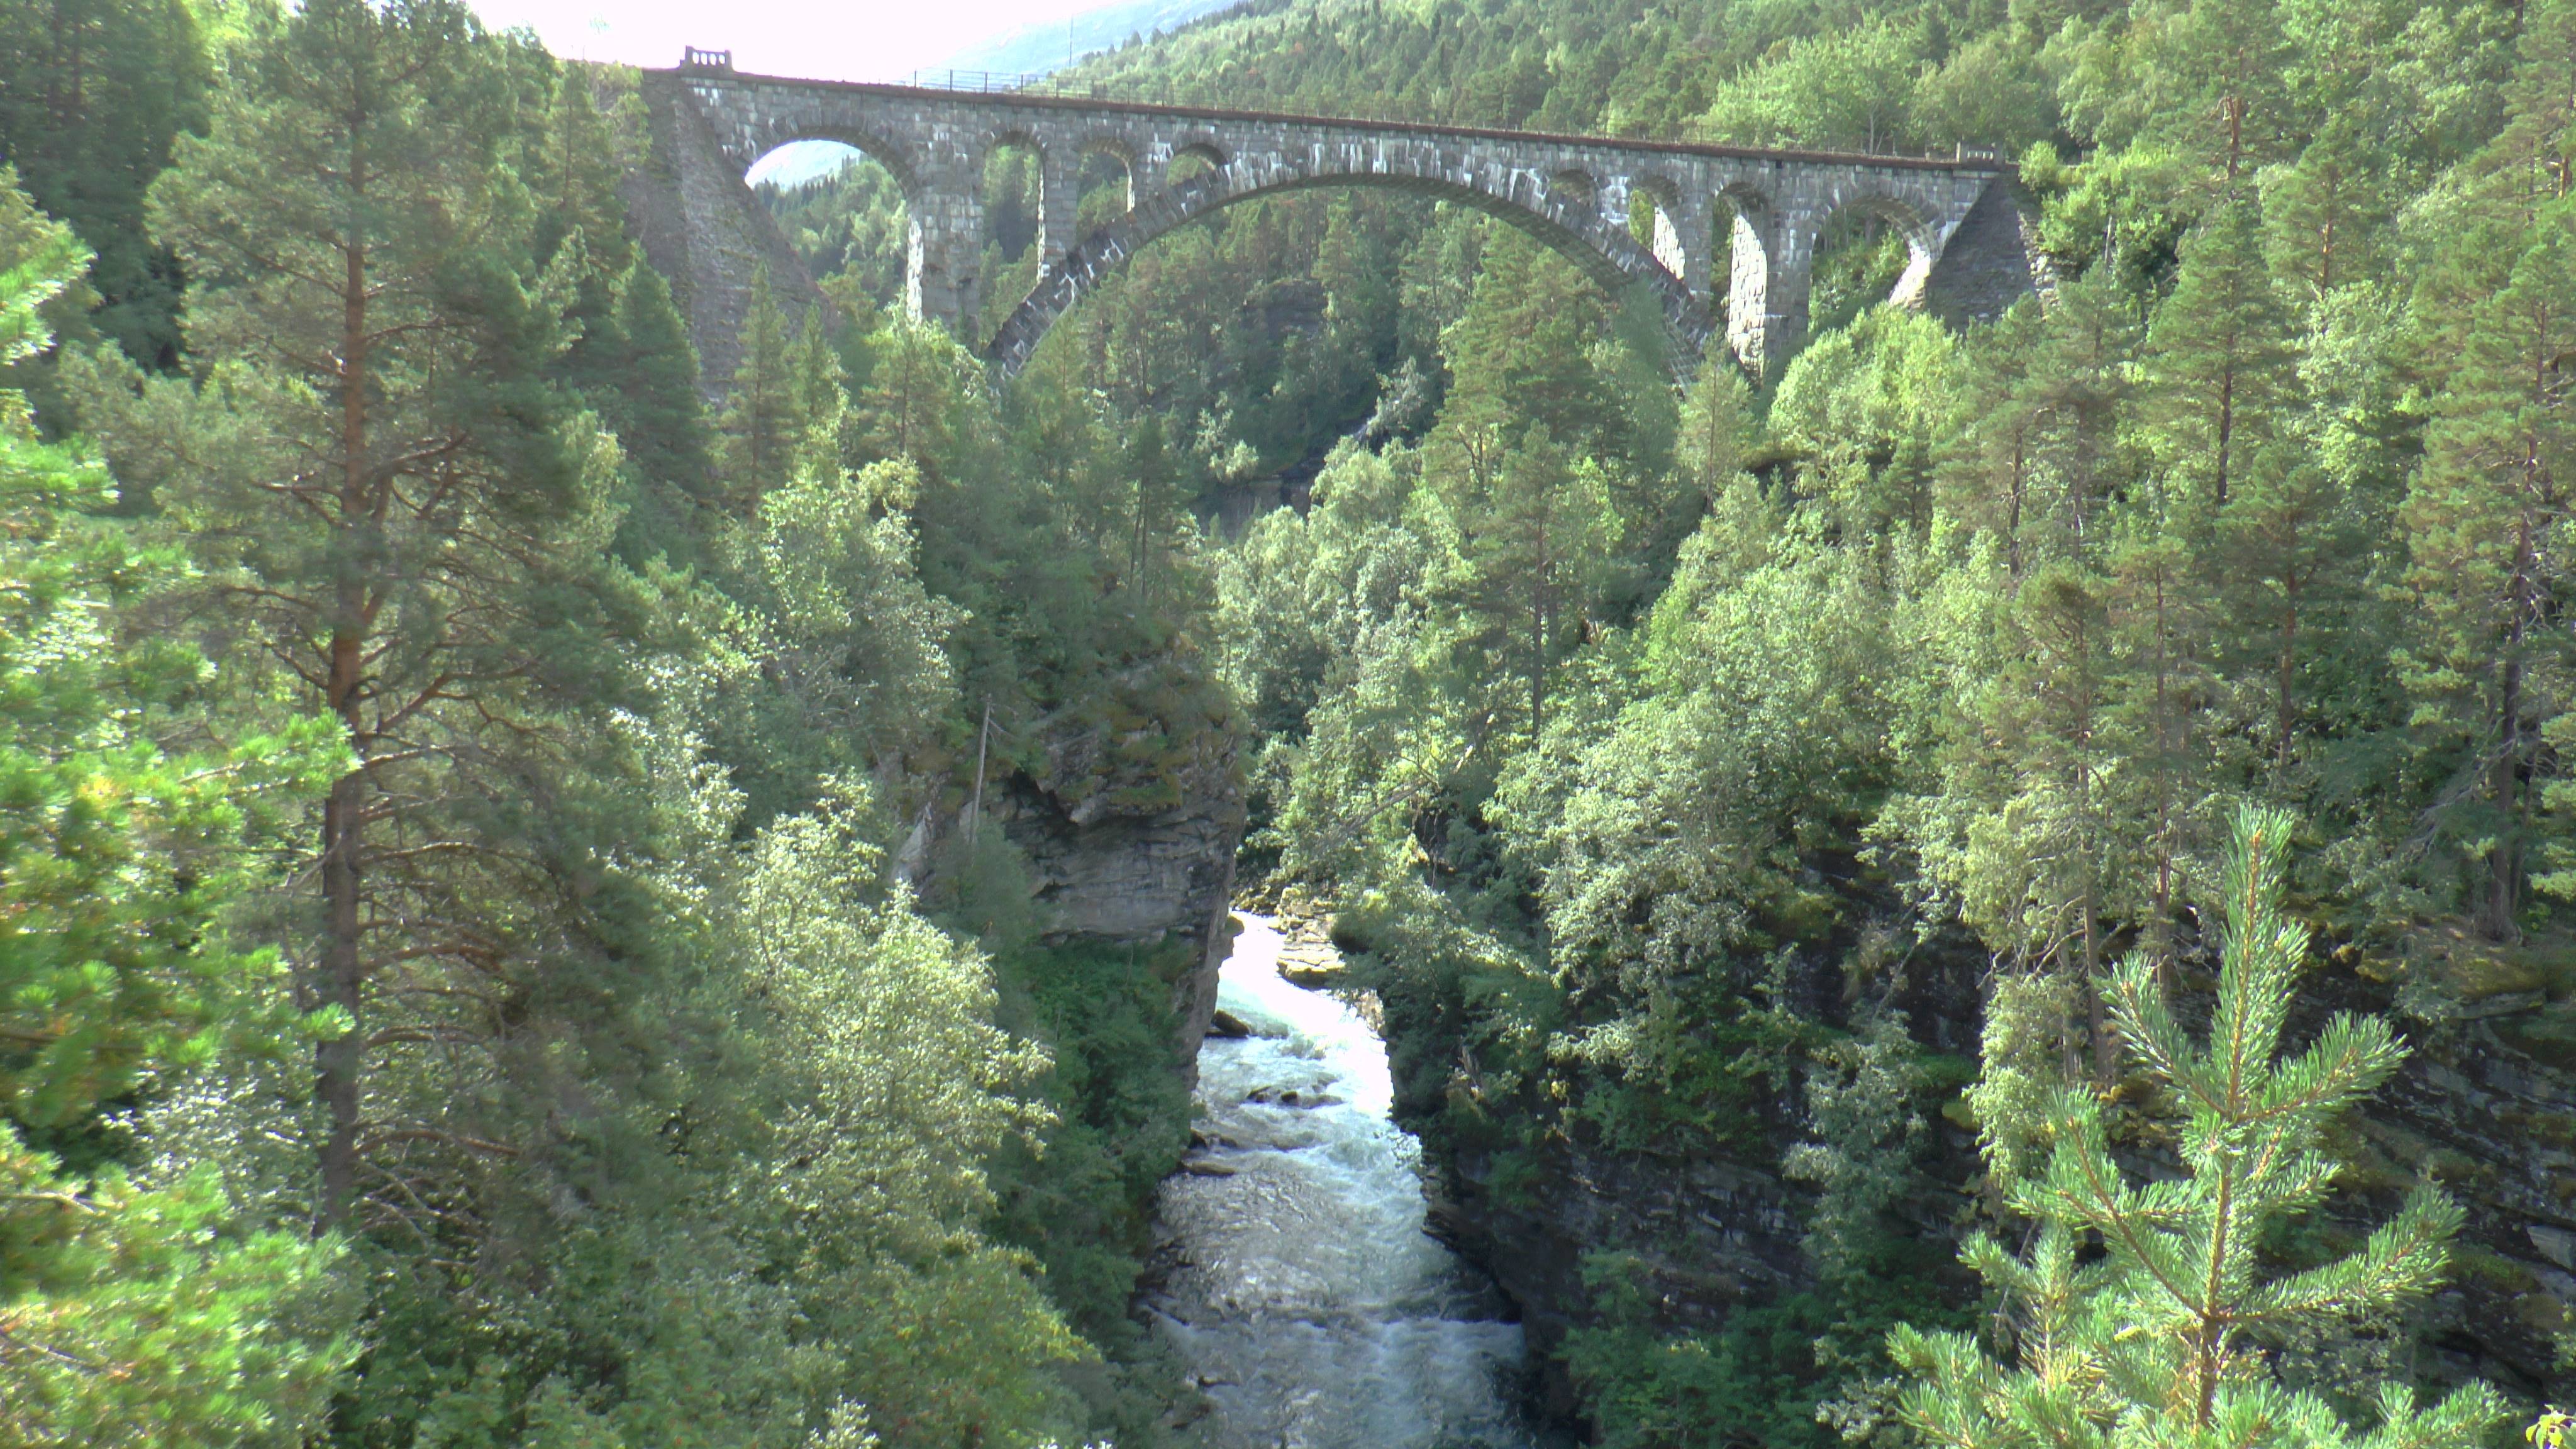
[[1729, 251]]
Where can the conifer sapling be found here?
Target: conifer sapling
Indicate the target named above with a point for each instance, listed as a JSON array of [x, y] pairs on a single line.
[[2158, 1340]]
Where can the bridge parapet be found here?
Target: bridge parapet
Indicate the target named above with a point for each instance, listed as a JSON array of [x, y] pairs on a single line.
[[1572, 192]]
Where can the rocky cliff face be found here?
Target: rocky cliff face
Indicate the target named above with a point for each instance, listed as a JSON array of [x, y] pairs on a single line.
[[2485, 1106], [1139, 876], [1713, 1235]]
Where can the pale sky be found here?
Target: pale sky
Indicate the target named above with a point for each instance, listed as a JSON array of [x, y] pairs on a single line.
[[816, 39]]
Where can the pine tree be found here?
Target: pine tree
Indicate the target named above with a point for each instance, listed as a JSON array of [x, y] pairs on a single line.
[[1714, 425], [92, 94], [1527, 550], [1154, 504], [2080, 381], [2161, 615], [2235, 51], [2159, 1340], [2323, 213], [819, 399], [2290, 556], [2217, 356], [1524, 342], [389, 495], [761, 427], [132, 1312], [904, 405], [1988, 471], [630, 359], [2493, 676]]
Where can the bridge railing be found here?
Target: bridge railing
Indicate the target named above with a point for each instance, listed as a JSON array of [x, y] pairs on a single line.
[[1056, 84], [1044, 83]]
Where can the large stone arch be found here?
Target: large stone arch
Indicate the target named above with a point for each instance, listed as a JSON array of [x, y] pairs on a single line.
[[1575, 228], [900, 162]]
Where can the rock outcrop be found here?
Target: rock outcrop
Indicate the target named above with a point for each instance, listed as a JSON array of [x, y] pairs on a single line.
[[1139, 877]]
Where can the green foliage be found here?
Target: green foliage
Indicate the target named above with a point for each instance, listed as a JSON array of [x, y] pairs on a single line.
[[118, 857], [1080, 1197], [145, 1308], [851, 223], [1765, 1374], [156, 1315], [2158, 1341], [92, 95], [1966, 640]]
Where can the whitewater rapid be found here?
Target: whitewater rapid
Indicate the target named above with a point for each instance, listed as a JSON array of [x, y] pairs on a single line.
[[1312, 1307]]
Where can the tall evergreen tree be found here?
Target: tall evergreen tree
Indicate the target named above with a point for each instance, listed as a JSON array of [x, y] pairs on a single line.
[[395, 503], [762, 425], [135, 1308], [2485, 516], [2323, 213], [2217, 356]]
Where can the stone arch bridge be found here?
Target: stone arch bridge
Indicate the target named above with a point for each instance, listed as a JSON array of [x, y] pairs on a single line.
[[1575, 193]]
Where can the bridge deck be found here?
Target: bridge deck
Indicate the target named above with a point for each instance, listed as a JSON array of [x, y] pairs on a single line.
[[1965, 160]]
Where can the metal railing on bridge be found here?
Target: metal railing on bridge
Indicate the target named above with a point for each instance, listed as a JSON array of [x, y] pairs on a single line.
[[1057, 85]]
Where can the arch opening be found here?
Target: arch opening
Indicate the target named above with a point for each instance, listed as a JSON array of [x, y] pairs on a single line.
[[846, 214], [1013, 184], [1870, 250], [1104, 187], [1744, 295], [1653, 205], [1195, 162]]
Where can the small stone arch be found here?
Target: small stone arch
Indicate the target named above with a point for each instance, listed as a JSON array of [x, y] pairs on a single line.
[[899, 160], [1118, 147], [1664, 242], [1753, 261], [1191, 160], [1001, 136], [1574, 188], [1749, 215], [1021, 220], [1922, 239]]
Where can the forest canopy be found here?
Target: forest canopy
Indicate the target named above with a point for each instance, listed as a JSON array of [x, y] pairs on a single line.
[[523, 874]]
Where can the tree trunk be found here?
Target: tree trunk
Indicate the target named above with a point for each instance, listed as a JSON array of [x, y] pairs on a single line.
[[343, 977], [2504, 778]]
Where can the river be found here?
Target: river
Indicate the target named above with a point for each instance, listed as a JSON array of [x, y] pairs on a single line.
[[1309, 1302]]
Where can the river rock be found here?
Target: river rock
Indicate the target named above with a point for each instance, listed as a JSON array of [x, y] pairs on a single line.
[[1310, 969]]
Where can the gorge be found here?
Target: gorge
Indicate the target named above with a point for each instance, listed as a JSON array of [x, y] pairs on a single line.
[[1770, 724]]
